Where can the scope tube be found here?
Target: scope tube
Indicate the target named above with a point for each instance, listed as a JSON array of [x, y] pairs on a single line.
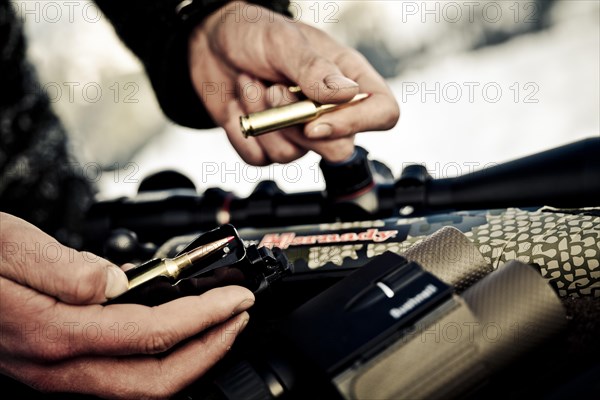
[[568, 176]]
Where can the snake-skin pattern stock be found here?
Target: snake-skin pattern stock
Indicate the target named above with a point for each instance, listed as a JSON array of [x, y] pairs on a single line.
[[450, 256]]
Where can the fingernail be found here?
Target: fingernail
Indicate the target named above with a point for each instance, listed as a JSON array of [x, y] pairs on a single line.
[[116, 282], [320, 131], [339, 82], [244, 324], [243, 306]]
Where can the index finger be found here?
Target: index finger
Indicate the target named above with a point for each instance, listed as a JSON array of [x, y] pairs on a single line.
[[379, 112], [35, 259], [319, 78]]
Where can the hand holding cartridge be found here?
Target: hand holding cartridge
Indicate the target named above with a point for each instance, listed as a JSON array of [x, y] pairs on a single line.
[[129, 351], [234, 76], [214, 259]]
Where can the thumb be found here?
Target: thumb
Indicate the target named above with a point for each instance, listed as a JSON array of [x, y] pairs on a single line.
[[34, 259], [320, 79]]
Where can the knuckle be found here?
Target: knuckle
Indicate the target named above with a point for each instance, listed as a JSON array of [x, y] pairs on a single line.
[[157, 344], [352, 60], [344, 149], [346, 129], [255, 160], [86, 284], [338, 149], [51, 352], [348, 55], [283, 156], [278, 41], [159, 341], [310, 63], [391, 116]]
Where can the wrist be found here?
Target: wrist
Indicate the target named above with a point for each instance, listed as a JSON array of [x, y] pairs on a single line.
[[198, 39]]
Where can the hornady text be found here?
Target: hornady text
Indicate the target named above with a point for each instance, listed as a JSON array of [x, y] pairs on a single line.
[[285, 240]]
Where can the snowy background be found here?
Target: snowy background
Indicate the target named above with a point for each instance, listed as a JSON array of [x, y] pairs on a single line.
[[478, 82]]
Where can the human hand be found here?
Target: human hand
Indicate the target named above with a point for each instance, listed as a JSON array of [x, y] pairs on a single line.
[[260, 59], [56, 337]]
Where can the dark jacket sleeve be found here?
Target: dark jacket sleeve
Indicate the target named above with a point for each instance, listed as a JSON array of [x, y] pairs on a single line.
[[40, 180], [158, 34]]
